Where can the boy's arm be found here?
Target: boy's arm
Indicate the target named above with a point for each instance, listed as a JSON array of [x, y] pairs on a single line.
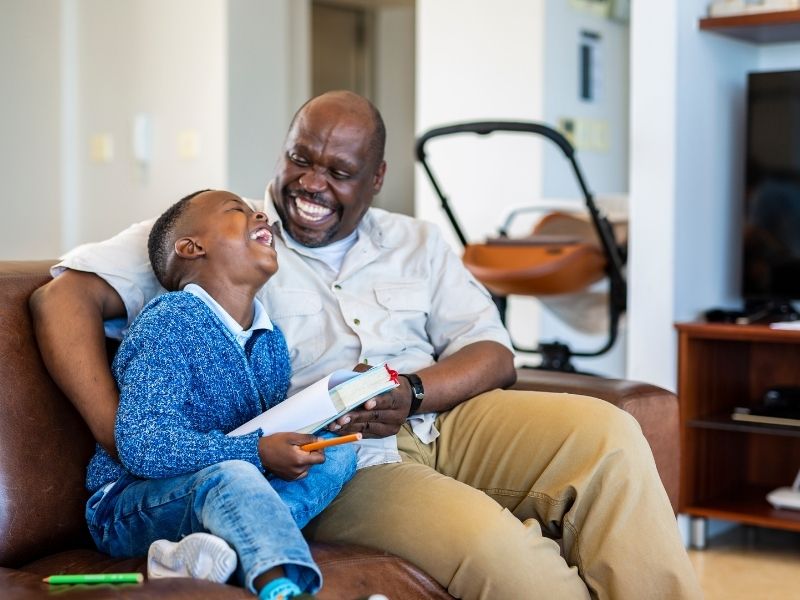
[[155, 436], [68, 315]]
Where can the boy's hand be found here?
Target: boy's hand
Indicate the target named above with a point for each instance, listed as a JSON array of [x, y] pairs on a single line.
[[281, 455]]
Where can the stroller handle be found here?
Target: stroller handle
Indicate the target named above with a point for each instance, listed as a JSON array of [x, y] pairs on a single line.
[[487, 127]]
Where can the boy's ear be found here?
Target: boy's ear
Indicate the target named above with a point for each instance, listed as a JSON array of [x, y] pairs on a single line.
[[189, 248]]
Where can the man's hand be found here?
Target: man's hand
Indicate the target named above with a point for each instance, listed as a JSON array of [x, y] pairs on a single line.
[[281, 455], [472, 370], [380, 416]]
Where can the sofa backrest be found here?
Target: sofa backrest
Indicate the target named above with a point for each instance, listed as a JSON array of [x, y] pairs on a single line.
[[44, 444]]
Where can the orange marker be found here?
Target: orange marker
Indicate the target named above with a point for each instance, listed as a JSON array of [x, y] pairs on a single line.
[[342, 439]]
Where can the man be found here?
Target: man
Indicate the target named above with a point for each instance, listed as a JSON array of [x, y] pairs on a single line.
[[471, 483]]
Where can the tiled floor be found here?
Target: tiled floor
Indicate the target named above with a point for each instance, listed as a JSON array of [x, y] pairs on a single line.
[[750, 563]]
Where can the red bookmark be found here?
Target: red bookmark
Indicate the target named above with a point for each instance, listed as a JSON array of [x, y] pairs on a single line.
[[392, 374]]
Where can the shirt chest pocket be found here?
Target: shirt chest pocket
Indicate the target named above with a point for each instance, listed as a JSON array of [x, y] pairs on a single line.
[[299, 315], [406, 304]]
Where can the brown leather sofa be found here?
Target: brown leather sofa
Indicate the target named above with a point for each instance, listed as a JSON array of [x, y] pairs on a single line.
[[45, 446]]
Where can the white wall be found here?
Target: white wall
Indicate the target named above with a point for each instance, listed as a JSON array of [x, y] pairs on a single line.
[[653, 122], [394, 97], [230, 71], [479, 61], [268, 79], [172, 66], [607, 169], [30, 123]]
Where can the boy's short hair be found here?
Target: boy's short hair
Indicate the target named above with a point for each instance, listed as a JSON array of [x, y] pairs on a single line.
[[161, 242]]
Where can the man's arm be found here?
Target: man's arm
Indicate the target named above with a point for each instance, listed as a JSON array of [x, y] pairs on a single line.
[[472, 370], [68, 315]]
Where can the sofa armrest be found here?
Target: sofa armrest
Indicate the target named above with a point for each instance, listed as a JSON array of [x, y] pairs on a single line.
[[655, 408]]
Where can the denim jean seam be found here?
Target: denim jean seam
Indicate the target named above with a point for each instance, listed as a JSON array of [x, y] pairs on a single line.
[[153, 506], [233, 508]]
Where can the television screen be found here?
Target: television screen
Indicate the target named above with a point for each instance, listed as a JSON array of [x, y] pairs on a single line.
[[771, 262]]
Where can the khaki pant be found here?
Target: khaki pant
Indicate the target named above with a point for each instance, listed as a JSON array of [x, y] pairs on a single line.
[[480, 508]]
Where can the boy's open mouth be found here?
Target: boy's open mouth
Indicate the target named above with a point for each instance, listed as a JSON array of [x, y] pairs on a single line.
[[262, 235]]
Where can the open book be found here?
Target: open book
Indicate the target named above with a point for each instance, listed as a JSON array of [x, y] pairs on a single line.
[[328, 399]]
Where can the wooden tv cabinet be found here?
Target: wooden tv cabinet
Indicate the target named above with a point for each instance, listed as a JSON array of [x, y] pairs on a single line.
[[727, 466]]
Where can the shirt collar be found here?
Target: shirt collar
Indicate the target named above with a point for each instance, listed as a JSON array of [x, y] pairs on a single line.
[[260, 318]]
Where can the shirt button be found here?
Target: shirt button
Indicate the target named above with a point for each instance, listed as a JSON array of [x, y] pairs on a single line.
[[357, 321]]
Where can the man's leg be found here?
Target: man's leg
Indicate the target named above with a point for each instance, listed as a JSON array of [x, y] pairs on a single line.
[[575, 464], [462, 538], [231, 500], [582, 468]]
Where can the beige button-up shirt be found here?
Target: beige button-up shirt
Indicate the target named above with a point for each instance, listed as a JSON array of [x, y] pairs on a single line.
[[402, 296]]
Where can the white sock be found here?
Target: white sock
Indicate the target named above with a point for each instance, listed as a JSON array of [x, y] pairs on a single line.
[[198, 555]]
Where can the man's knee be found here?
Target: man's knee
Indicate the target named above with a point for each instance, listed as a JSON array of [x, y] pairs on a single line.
[[609, 426]]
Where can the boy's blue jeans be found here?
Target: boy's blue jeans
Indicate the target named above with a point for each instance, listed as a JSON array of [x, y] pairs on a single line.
[[260, 518]]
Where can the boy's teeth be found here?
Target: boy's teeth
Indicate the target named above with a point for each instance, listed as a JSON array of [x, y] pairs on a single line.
[[261, 234]]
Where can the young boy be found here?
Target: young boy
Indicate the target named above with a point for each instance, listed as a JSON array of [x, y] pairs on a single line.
[[196, 364]]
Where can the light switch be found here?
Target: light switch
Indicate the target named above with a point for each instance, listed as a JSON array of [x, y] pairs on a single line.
[[189, 144], [101, 147], [599, 135]]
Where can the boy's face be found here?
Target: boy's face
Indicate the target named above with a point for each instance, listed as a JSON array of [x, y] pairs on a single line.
[[235, 240]]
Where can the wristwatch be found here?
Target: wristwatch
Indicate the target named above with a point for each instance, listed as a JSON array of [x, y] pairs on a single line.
[[417, 391]]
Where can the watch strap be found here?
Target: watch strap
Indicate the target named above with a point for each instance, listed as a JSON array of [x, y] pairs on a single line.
[[417, 391]]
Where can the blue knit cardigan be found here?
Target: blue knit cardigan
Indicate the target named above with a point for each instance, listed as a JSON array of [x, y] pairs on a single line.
[[184, 382]]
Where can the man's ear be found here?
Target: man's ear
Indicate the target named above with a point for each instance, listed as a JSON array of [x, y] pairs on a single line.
[[189, 248], [377, 182]]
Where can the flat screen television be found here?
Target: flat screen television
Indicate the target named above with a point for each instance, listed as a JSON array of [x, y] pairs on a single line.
[[771, 236]]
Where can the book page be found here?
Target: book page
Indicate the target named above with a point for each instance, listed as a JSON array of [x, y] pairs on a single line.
[[310, 405], [322, 402]]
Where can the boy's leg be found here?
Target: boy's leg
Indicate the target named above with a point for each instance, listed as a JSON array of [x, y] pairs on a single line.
[[307, 497], [231, 499]]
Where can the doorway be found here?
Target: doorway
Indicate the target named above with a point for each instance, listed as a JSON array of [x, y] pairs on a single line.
[[368, 47]]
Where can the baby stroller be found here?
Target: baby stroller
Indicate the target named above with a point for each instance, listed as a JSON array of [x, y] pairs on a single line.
[[548, 261]]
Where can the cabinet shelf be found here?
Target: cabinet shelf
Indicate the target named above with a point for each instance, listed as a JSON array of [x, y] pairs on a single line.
[[759, 28], [747, 505], [728, 466], [725, 423]]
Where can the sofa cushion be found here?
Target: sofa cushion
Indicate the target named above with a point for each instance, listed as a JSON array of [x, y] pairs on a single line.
[[45, 443]]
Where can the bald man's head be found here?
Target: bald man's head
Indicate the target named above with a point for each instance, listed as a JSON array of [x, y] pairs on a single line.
[[355, 103], [331, 168]]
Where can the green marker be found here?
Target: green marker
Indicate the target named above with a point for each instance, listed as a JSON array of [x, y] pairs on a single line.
[[95, 578]]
